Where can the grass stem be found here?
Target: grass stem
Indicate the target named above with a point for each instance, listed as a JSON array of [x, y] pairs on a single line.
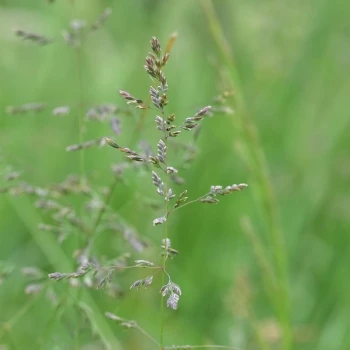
[[250, 138], [80, 113], [164, 253]]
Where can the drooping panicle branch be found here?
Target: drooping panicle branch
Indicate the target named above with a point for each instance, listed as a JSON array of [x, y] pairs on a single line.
[[132, 100], [33, 37], [132, 155], [192, 122], [101, 19], [26, 108], [61, 111]]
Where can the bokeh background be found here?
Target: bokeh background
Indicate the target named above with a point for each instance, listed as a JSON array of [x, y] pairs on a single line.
[[288, 64]]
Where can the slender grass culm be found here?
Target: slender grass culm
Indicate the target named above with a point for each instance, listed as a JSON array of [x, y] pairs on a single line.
[[275, 270], [166, 124]]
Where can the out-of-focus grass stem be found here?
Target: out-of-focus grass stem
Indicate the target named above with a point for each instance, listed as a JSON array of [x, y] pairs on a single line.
[[164, 253], [60, 262], [250, 138], [81, 111], [80, 114], [113, 185]]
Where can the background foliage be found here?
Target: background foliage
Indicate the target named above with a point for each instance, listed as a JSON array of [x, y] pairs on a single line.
[[291, 60]]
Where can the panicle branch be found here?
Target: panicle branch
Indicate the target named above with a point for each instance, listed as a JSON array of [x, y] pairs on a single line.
[[192, 122], [101, 19], [26, 108], [132, 155], [132, 100], [82, 271], [33, 37], [84, 145]]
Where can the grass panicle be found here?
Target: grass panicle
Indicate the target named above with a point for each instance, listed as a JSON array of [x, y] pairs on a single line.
[[94, 216], [155, 62]]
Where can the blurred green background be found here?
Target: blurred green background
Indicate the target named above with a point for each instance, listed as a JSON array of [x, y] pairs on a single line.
[[288, 63]]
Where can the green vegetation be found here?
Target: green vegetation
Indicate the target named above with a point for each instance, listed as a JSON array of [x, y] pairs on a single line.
[[266, 268]]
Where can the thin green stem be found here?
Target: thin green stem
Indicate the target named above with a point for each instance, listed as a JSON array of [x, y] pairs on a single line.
[[80, 113], [8, 325], [102, 210], [179, 347], [268, 274], [164, 253], [55, 317], [112, 186], [147, 334], [130, 267], [140, 122], [187, 203], [105, 203], [80, 117], [162, 311]]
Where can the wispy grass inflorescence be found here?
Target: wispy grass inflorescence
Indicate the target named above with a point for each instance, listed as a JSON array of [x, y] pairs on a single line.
[[173, 291], [33, 37], [192, 122], [158, 183], [121, 321], [83, 270], [101, 112], [60, 111], [88, 214], [101, 19], [166, 124], [219, 190], [132, 100], [94, 215], [26, 108], [86, 144], [6, 270], [75, 34], [143, 282]]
